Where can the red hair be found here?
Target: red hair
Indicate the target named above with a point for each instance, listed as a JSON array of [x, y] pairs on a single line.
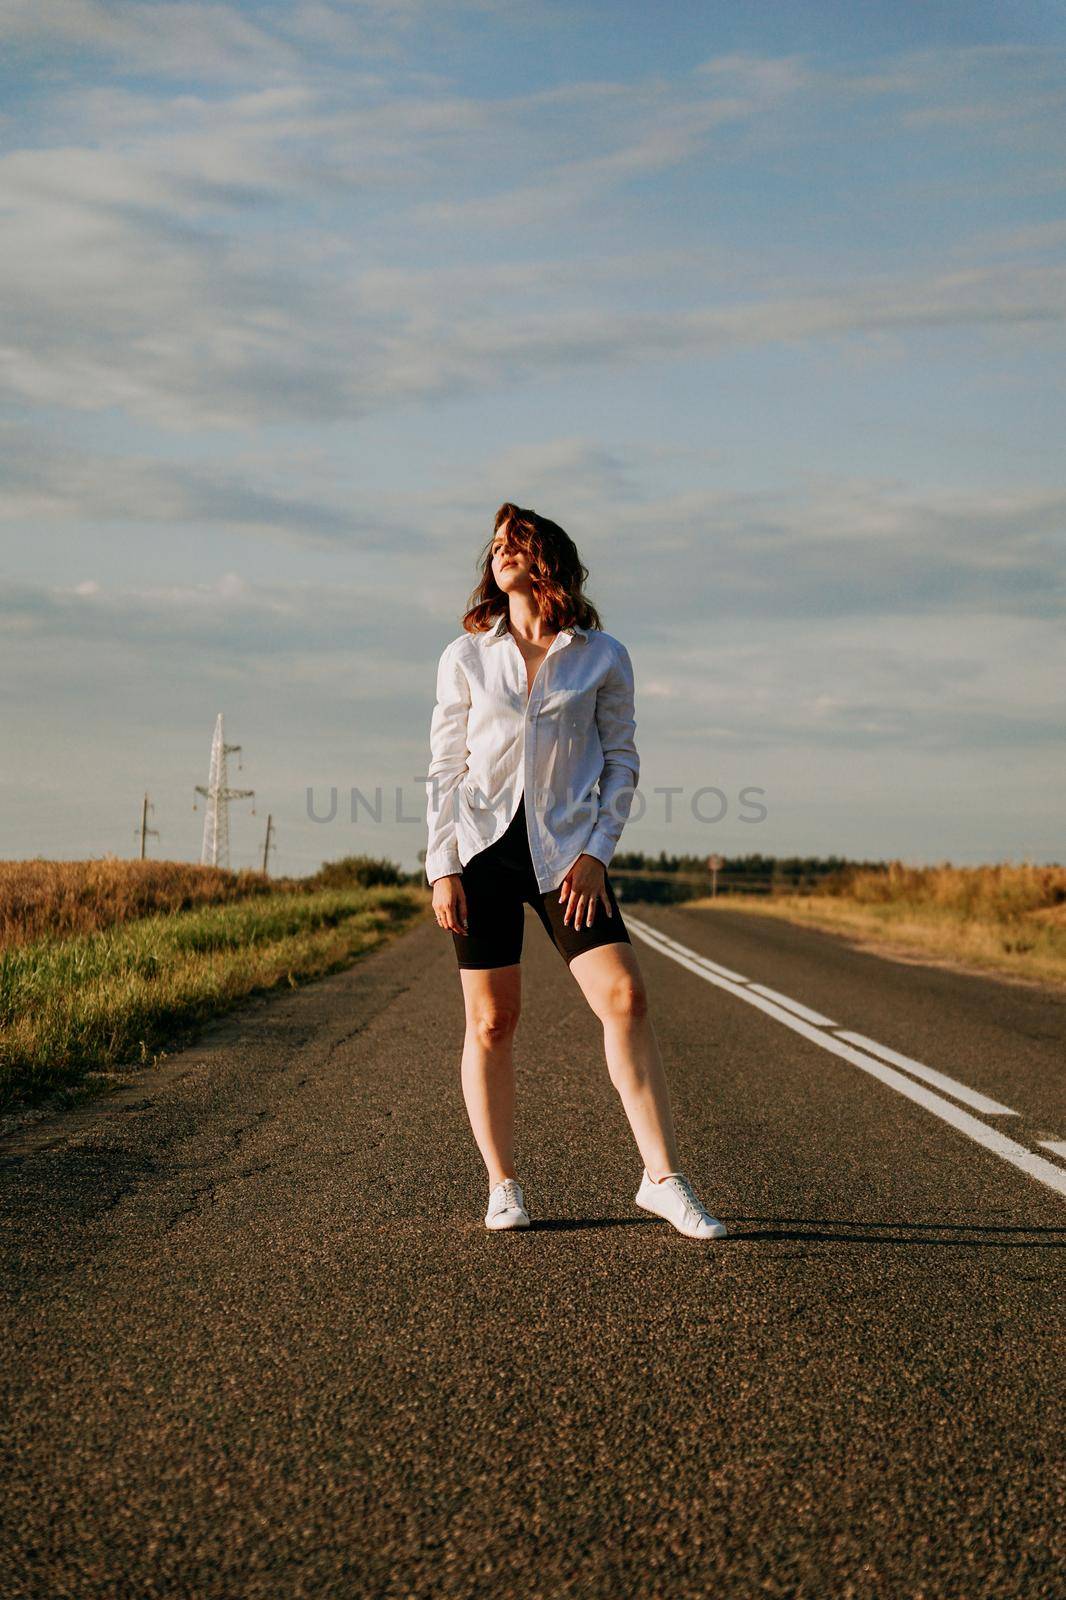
[[556, 574]]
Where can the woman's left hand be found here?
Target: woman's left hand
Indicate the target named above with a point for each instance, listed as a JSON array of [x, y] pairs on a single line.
[[582, 887]]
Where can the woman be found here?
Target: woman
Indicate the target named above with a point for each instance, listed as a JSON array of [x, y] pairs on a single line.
[[534, 709]]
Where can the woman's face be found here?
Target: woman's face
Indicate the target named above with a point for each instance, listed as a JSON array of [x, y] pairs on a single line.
[[510, 563]]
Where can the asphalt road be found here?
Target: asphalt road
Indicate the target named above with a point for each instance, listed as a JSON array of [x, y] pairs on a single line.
[[257, 1341]]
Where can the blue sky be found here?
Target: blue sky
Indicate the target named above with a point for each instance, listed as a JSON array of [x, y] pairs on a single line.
[[764, 304]]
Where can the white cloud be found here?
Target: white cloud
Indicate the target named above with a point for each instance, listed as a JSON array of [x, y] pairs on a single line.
[[226, 42], [51, 482], [155, 265], [189, 331]]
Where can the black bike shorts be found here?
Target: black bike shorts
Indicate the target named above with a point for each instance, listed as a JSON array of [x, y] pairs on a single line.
[[499, 882]]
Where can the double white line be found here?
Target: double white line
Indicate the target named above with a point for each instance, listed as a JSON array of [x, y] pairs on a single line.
[[840, 1042]]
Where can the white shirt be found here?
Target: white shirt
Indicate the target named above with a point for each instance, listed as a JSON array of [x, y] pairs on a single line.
[[489, 745]]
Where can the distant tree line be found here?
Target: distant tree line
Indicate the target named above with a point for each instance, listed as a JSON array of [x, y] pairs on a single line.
[[670, 878]]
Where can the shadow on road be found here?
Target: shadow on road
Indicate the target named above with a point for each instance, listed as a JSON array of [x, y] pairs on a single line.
[[815, 1230], [567, 1224], [914, 1233]]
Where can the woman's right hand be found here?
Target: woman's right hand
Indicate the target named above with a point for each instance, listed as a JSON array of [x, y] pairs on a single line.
[[449, 903]]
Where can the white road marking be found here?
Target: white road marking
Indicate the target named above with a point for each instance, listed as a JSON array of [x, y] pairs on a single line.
[[794, 1005], [1008, 1150], [940, 1080], [1056, 1146], [683, 949]]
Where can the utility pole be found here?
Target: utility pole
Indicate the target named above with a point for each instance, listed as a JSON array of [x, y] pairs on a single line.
[[144, 830], [215, 851], [269, 840]]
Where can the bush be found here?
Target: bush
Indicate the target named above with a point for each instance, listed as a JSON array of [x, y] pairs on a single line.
[[364, 872]]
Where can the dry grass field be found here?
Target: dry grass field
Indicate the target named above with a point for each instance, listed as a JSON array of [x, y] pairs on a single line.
[[1005, 920], [42, 899]]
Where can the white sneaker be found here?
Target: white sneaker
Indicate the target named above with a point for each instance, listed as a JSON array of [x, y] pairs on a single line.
[[507, 1208], [675, 1200]]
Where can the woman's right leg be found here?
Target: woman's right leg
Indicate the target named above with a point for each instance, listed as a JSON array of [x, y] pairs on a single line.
[[493, 1000]]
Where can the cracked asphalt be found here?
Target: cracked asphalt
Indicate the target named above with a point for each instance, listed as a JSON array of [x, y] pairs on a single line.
[[258, 1343]]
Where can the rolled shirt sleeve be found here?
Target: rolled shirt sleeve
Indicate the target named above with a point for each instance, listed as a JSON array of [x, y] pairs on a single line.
[[616, 722], [449, 761]]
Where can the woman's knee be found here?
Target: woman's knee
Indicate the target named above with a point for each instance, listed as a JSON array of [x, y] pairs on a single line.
[[493, 1024], [626, 998]]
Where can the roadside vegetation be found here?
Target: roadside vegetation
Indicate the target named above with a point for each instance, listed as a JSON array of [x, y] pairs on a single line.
[[110, 965], [1006, 919]]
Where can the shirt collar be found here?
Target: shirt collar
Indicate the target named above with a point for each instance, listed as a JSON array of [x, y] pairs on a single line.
[[500, 630]]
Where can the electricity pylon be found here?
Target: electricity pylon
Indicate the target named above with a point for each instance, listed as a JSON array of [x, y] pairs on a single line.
[[215, 851]]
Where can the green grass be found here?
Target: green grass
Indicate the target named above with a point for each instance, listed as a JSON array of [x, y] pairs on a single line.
[[127, 994]]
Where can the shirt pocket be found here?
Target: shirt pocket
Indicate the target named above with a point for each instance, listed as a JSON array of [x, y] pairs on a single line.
[[572, 707], [568, 718]]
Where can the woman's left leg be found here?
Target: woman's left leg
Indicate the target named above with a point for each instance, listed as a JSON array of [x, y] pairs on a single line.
[[610, 979]]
